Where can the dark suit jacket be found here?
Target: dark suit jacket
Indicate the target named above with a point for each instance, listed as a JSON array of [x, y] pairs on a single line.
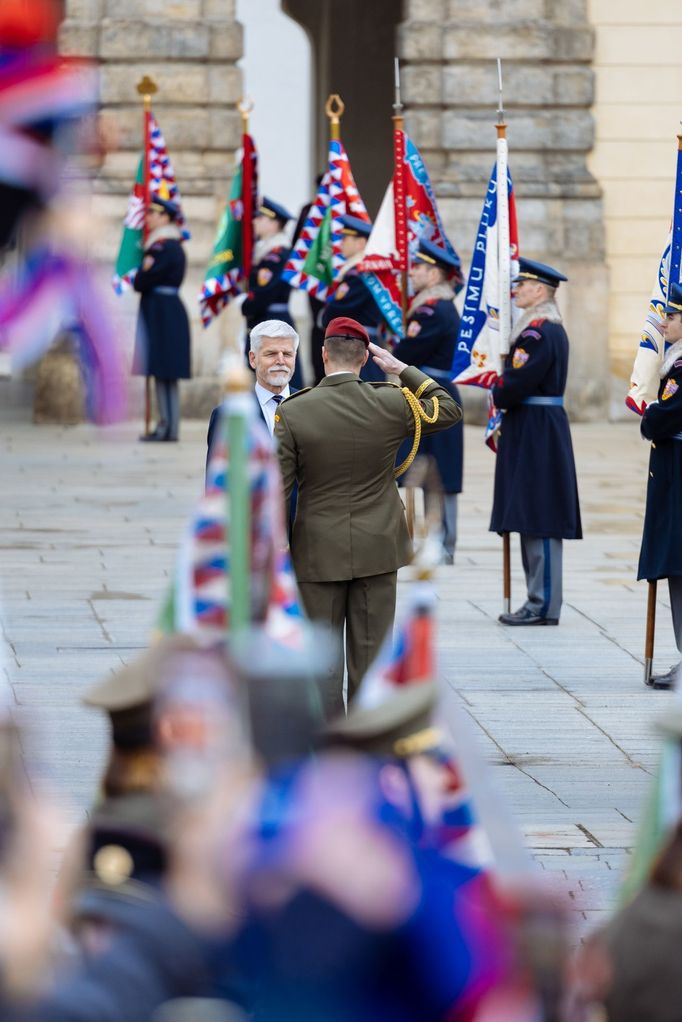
[[339, 442], [215, 419]]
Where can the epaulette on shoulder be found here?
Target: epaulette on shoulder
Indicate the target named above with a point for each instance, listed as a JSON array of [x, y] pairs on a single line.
[[381, 383], [529, 332], [303, 390]]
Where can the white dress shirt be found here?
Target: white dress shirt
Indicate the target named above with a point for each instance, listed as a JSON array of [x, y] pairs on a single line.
[[269, 405]]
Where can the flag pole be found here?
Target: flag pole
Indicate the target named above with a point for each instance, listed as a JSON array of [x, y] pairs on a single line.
[[237, 387], [146, 88], [504, 300], [400, 214], [399, 208], [245, 106], [673, 277], [650, 632]]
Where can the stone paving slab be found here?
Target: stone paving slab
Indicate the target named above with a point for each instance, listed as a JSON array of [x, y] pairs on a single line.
[[89, 524]]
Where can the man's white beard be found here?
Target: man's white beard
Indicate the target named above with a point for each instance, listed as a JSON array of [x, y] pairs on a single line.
[[279, 378]]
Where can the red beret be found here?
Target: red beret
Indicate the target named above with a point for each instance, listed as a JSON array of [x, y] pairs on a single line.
[[344, 326]]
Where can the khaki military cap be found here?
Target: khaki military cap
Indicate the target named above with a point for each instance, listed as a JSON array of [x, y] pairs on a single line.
[[399, 726], [140, 680]]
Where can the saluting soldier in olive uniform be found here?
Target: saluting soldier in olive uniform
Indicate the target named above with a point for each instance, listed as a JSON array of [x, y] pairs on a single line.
[[661, 553], [432, 326], [339, 441], [536, 492], [352, 297], [268, 294]]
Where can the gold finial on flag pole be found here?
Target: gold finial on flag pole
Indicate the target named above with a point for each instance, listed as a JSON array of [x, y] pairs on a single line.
[[334, 108], [146, 87], [245, 106], [500, 126]]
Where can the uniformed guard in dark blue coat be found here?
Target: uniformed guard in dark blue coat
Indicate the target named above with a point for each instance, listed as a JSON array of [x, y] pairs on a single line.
[[536, 492], [432, 326], [352, 297], [268, 294], [162, 343], [661, 553]]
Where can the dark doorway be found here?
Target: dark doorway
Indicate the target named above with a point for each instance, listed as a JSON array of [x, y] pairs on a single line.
[[353, 44]]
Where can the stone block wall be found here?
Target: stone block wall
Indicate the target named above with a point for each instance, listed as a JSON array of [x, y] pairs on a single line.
[[449, 50], [190, 48]]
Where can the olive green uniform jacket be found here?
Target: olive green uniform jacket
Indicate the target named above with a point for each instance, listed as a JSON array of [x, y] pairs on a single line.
[[339, 441]]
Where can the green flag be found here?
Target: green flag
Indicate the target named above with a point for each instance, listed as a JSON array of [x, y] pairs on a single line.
[[318, 262], [130, 251], [221, 280]]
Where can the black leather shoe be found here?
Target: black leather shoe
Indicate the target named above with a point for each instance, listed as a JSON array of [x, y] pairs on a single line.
[[665, 681], [526, 617]]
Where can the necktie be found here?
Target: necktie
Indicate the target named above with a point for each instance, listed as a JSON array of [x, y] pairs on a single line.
[[277, 398]]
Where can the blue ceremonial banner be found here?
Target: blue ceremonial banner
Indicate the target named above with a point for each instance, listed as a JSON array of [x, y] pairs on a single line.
[[477, 355], [644, 380]]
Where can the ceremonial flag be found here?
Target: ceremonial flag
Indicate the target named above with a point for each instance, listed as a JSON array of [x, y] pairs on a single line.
[[406, 659], [203, 591], [645, 379], [53, 293], [233, 247], [159, 181], [478, 353], [408, 214], [316, 258]]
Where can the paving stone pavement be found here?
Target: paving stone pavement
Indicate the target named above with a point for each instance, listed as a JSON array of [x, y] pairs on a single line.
[[89, 524]]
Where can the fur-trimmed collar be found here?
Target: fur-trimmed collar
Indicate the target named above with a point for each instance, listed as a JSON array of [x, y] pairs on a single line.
[[672, 354], [350, 263], [266, 245], [440, 291], [545, 310], [162, 233]]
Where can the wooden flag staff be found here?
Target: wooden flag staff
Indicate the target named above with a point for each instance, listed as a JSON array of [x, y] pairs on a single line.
[[504, 293], [146, 88]]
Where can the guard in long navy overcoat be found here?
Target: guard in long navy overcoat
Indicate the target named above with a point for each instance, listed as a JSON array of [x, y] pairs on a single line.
[[352, 297], [268, 295], [429, 344], [162, 342], [661, 553], [536, 491]]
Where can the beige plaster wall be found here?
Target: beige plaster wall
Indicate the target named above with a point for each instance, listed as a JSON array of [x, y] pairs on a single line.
[[638, 107]]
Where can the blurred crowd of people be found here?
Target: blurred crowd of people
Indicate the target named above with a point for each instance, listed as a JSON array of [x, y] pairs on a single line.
[[337, 871]]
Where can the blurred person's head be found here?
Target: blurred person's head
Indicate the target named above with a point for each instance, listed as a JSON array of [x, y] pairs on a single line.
[[127, 697], [273, 353], [160, 213], [354, 236], [535, 283], [270, 219], [672, 323], [431, 266], [346, 346]]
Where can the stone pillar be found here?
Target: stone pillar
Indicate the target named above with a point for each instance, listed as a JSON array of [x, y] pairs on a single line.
[[190, 48], [449, 48]]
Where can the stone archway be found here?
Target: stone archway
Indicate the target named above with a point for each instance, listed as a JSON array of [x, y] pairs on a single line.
[[447, 49], [353, 44]]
